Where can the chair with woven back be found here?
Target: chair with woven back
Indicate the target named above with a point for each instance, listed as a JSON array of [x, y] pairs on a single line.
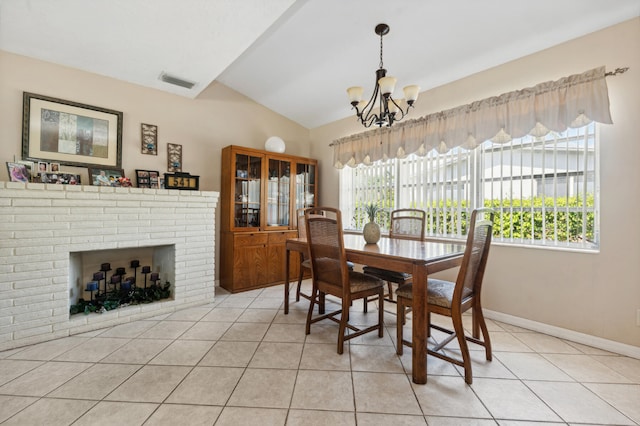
[[407, 224], [452, 299], [331, 275]]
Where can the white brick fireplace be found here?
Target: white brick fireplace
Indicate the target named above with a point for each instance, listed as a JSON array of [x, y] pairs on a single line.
[[44, 226]]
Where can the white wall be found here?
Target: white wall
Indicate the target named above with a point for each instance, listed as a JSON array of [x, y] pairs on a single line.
[[597, 294]]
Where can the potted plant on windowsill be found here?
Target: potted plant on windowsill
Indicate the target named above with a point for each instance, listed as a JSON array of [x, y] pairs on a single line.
[[371, 230]]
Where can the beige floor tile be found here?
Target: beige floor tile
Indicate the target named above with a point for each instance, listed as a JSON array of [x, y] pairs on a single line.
[[129, 330], [371, 419], [51, 412], [267, 303], [183, 352], [236, 302], [459, 421], [12, 368], [9, 352], [10, 405], [320, 418], [543, 343], [628, 367], [625, 398], [93, 350], [258, 315], [511, 399], [206, 331], [323, 390], [435, 366], [379, 359], [506, 342], [139, 351], [295, 316], [240, 416], [323, 356], [585, 368], [264, 388], [245, 332], [49, 350], [372, 339], [96, 382], [167, 330], [277, 355], [223, 314], [445, 396], [276, 291], [397, 398], [229, 354], [525, 423], [42, 380], [511, 328], [323, 333], [152, 383], [589, 350], [192, 415], [574, 403], [189, 314], [480, 367], [531, 366], [108, 413], [197, 387], [285, 333]]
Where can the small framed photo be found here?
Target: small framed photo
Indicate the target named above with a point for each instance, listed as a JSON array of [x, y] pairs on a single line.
[[54, 167], [31, 169], [174, 157], [147, 179], [60, 178], [105, 177], [43, 167], [17, 172], [149, 138]]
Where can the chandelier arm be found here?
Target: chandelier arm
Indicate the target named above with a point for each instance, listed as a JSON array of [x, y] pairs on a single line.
[[402, 112], [368, 108]]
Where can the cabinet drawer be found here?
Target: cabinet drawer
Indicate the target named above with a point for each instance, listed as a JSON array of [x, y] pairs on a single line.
[[281, 237], [250, 239]]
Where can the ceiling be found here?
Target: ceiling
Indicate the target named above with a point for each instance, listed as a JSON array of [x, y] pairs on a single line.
[[295, 57]]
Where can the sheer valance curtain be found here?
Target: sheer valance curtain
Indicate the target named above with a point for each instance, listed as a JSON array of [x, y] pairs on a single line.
[[572, 101]]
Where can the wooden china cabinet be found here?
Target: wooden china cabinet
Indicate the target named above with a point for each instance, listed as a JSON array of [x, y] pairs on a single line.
[[260, 194]]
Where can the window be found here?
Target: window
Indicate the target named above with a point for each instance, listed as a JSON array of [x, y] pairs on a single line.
[[544, 189]]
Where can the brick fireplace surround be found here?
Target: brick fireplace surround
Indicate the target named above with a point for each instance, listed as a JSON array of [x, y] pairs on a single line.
[[41, 224]]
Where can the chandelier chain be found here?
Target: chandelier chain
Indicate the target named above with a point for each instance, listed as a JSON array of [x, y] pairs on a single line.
[[381, 64]]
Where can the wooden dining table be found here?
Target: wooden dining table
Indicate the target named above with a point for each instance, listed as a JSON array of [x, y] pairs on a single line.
[[418, 258]]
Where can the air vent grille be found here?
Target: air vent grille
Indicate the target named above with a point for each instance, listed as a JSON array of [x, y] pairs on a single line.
[[167, 78]]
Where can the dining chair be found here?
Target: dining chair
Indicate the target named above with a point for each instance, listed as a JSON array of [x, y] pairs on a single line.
[[452, 299], [407, 224], [330, 274]]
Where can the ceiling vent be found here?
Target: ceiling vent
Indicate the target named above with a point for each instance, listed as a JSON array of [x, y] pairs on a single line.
[[167, 78]]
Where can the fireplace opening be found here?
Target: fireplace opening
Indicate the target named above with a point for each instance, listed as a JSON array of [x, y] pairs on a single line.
[[102, 280]]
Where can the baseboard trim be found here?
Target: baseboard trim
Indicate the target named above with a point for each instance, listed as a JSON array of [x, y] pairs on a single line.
[[563, 333]]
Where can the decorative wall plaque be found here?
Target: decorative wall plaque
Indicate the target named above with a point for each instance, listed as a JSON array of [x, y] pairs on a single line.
[[174, 157]]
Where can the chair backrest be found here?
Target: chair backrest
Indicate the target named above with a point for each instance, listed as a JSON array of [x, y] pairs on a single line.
[[407, 223], [302, 228], [471, 272], [326, 248]]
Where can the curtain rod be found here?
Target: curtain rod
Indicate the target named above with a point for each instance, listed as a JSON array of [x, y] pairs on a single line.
[[616, 71]]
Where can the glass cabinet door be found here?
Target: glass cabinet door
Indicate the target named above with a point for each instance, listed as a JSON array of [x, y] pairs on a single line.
[[305, 185], [247, 191], [278, 187]]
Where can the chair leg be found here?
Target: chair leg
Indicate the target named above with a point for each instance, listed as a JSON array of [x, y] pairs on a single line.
[[485, 332], [300, 274], [365, 306], [344, 318], [464, 348], [381, 313], [400, 320], [390, 285], [314, 295]]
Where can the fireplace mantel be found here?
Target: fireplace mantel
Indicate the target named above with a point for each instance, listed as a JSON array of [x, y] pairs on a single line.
[[41, 224]]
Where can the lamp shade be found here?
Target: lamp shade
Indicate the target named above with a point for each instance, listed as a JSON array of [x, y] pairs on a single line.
[[274, 144], [355, 94], [387, 84], [411, 92]]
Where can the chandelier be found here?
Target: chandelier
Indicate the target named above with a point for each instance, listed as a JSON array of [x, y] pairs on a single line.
[[382, 109]]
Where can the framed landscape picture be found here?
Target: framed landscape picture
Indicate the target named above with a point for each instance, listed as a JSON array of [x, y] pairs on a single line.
[[147, 179], [105, 177], [70, 133]]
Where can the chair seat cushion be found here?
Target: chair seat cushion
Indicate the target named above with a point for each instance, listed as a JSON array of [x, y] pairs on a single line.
[[439, 292], [361, 282], [383, 274]]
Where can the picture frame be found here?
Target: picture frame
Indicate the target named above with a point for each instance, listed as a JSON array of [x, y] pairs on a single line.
[[149, 138], [31, 169], [17, 172], [174, 157], [105, 176], [70, 133], [60, 178], [147, 179]]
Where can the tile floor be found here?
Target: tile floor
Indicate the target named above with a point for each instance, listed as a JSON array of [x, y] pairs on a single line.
[[240, 361]]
